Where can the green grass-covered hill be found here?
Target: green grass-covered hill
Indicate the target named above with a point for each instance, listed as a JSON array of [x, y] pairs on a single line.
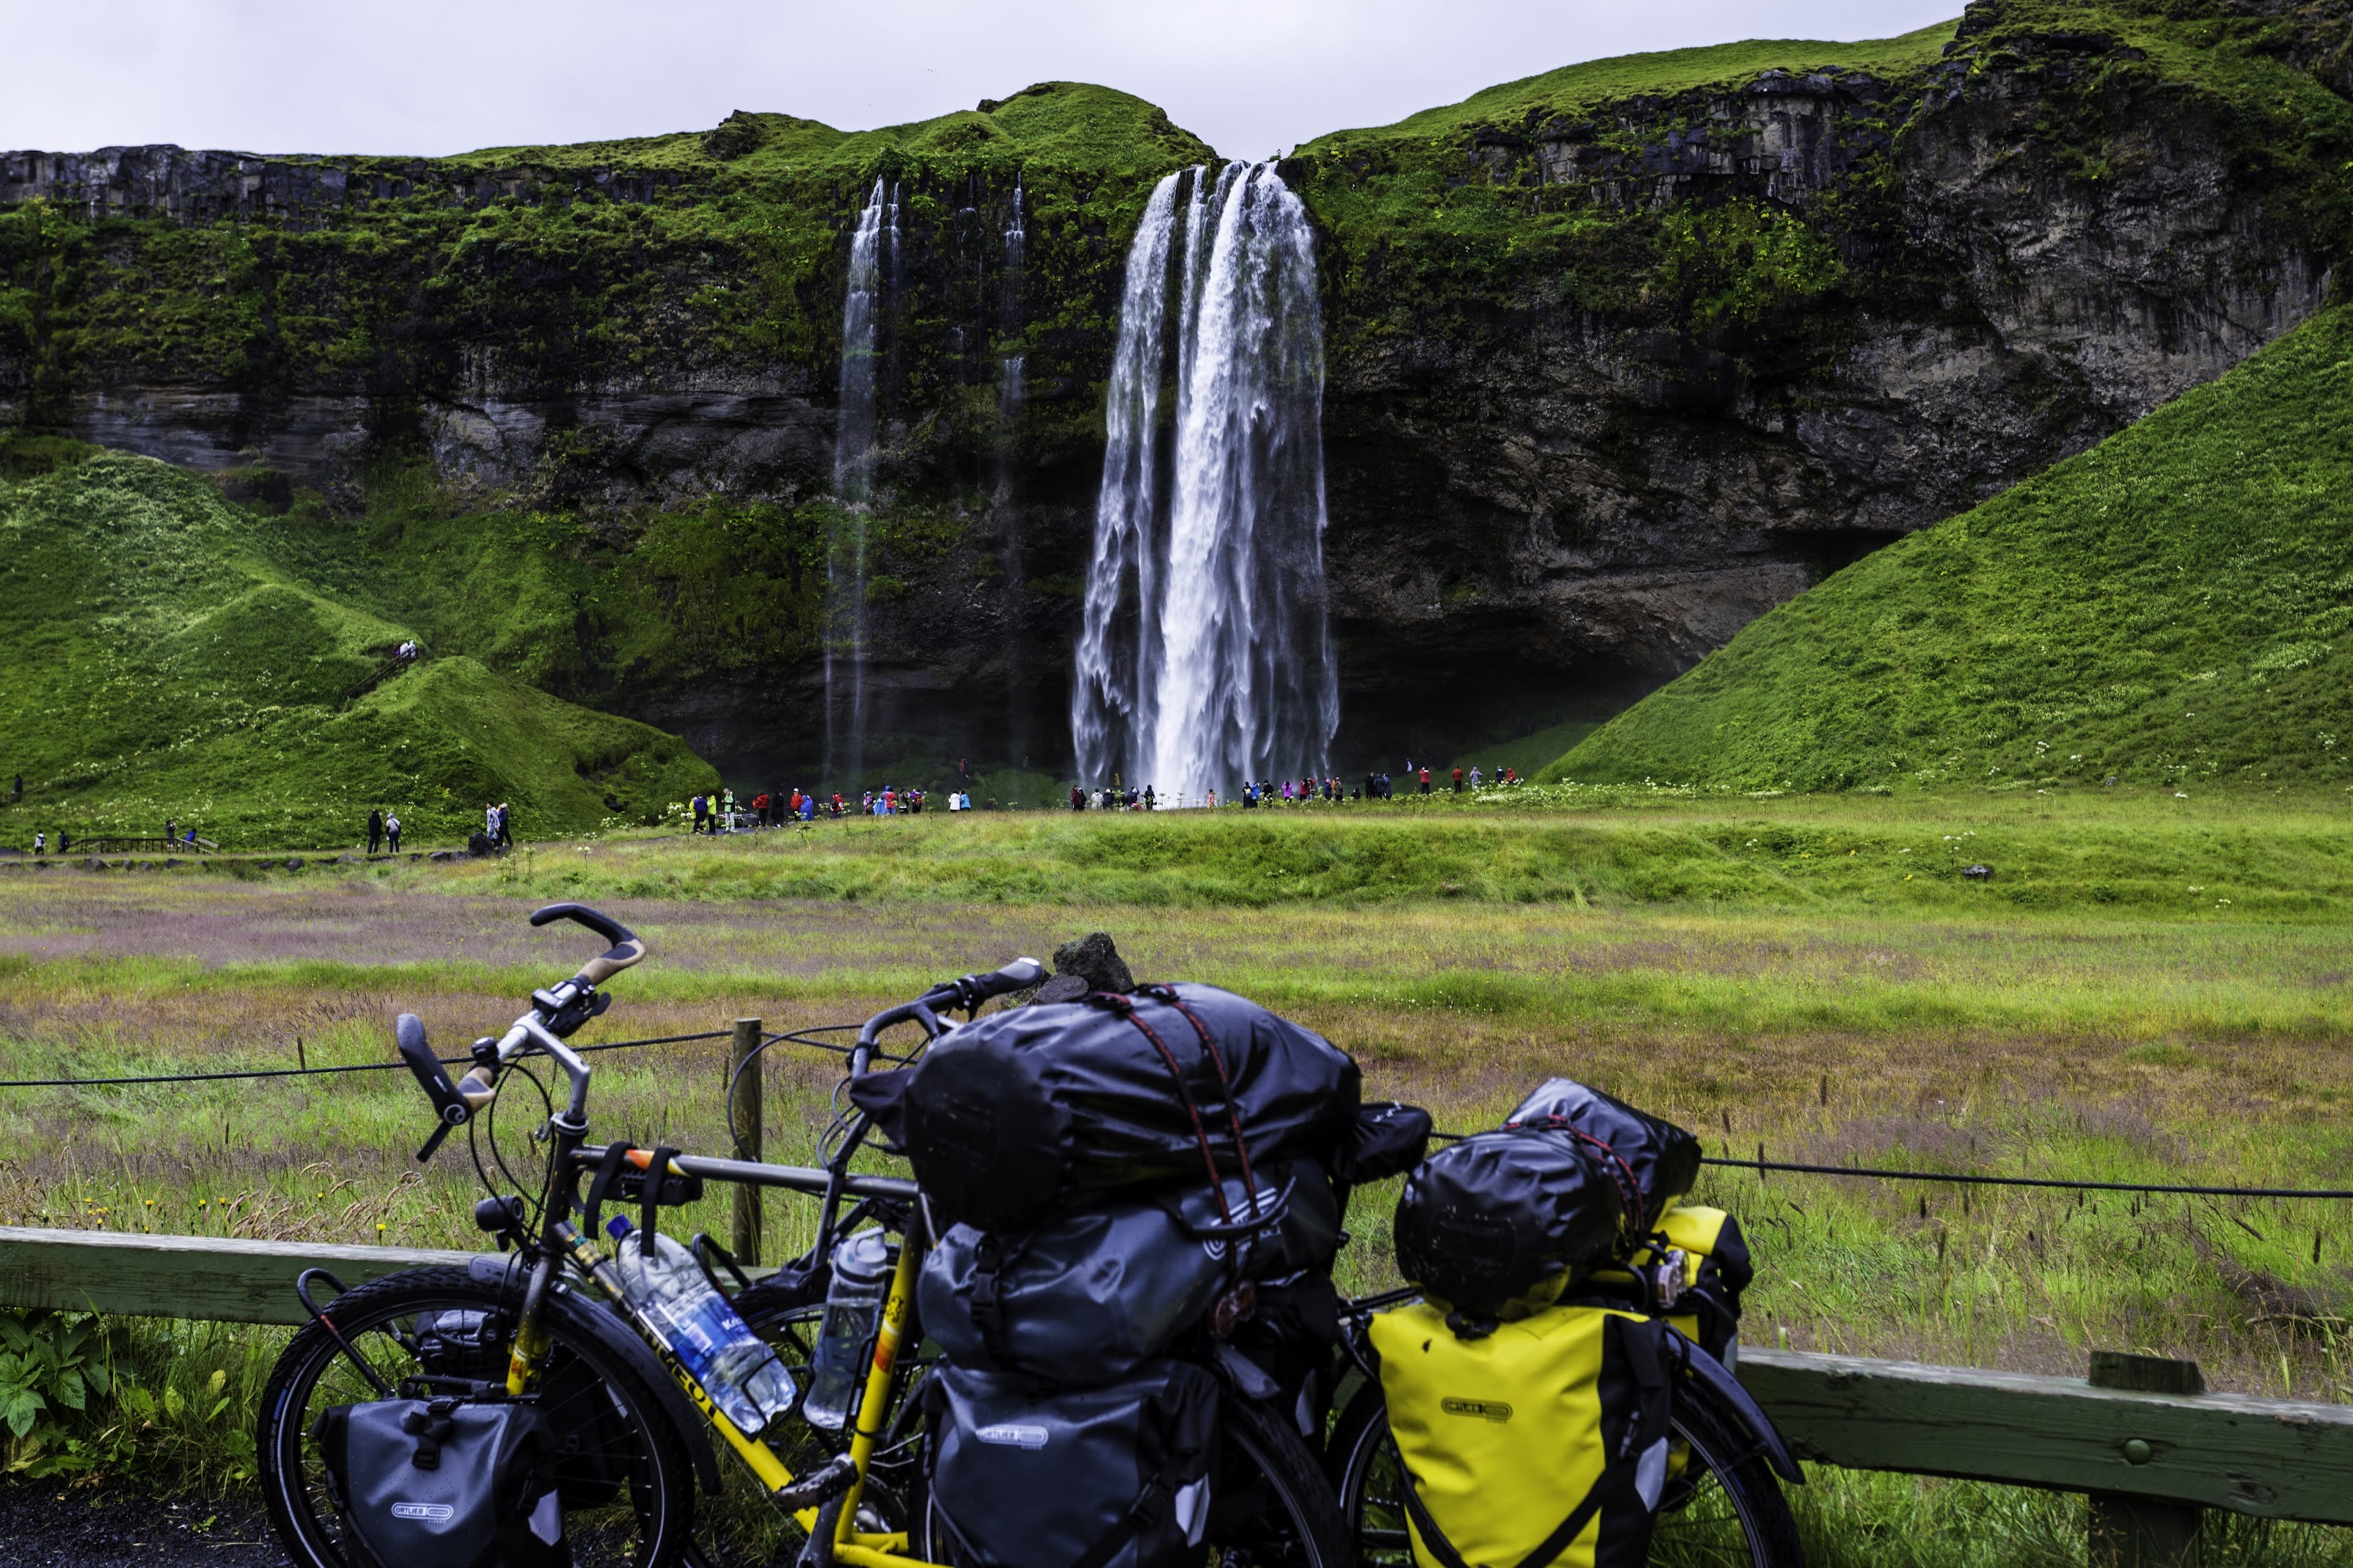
[[159, 657], [2174, 606]]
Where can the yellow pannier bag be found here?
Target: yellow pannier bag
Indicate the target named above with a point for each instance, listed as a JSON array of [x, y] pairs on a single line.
[[1704, 1254], [1541, 1442]]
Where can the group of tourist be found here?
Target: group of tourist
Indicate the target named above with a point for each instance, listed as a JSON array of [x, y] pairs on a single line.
[[1114, 798], [1290, 792], [383, 833], [718, 814]]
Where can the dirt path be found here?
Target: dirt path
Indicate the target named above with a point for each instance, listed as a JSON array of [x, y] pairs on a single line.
[[41, 1526]]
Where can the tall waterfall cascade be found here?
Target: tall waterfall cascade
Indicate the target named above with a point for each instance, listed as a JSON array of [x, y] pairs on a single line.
[[1206, 658], [863, 304]]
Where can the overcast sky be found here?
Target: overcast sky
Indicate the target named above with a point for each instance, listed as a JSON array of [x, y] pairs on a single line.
[[1250, 77]]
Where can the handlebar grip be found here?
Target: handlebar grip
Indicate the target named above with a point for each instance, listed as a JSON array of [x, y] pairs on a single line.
[[605, 965], [628, 947], [448, 1104], [1019, 975]]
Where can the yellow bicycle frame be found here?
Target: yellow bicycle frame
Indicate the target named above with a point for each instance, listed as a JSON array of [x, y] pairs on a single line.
[[851, 1546]]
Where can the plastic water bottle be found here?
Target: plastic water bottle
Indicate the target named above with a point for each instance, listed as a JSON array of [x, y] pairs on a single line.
[[862, 1267], [710, 1338]]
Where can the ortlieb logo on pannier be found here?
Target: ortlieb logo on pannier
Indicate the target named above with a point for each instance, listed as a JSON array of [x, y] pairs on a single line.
[[1485, 1409], [1012, 1437]]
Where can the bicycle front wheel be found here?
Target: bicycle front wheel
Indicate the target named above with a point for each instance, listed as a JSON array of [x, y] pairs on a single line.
[[1722, 1509], [622, 1472]]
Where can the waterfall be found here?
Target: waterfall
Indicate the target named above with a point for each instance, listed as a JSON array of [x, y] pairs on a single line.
[[1206, 657], [1008, 367], [853, 473]]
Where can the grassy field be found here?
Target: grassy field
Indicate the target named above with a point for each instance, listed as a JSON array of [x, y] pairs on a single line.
[[1808, 1000], [2167, 609]]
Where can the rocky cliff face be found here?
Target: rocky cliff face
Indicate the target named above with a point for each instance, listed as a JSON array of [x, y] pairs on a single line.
[[1611, 372]]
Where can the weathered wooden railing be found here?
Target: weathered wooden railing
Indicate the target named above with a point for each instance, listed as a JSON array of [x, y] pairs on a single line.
[[2150, 1460]]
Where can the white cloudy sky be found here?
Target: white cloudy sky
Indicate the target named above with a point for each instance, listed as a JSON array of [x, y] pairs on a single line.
[[1251, 77]]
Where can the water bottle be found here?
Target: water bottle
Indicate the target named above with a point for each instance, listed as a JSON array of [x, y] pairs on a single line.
[[710, 1338], [862, 1269]]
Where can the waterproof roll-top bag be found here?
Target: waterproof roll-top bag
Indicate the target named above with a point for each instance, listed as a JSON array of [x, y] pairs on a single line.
[[1083, 1298], [1113, 1476], [445, 1483], [1496, 1222], [1653, 1162], [1543, 1443], [1063, 1105]]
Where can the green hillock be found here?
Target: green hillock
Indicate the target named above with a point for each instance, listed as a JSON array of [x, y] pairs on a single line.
[[161, 657], [2173, 607]]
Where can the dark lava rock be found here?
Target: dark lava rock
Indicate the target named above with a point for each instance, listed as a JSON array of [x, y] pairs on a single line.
[[1090, 964]]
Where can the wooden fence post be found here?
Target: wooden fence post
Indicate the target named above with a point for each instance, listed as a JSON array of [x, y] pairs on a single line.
[[2142, 1532], [744, 1107]]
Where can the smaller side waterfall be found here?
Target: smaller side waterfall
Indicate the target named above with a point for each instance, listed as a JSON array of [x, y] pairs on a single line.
[[853, 479], [1009, 366]]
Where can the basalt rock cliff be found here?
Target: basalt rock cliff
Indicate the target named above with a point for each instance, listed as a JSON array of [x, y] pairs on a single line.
[[1618, 357]]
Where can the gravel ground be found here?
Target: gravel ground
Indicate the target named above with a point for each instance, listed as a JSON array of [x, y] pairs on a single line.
[[41, 1526]]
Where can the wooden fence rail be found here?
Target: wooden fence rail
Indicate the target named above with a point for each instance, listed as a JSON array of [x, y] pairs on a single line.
[[2271, 1458]]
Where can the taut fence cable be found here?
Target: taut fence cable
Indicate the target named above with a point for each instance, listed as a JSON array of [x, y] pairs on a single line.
[[321, 1072]]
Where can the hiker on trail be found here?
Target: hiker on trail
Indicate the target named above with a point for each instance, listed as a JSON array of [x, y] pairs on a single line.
[[506, 826], [1078, 799], [1149, 804], [1458, 779], [391, 832], [1474, 776], [171, 830], [65, 842], [701, 809], [40, 843], [491, 825], [375, 831], [406, 650], [1425, 781]]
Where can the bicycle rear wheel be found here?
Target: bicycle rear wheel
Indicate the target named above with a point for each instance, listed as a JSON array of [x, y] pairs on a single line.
[[1722, 1510], [623, 1474]]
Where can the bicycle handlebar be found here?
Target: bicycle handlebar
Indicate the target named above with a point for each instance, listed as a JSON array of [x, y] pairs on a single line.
[[628, 947], [971, 990]]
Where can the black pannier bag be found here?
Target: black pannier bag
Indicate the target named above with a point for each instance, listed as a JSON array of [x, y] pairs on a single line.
[[1063, 1105], [1386, 1140], [1486, 1221], [1084, 1296], [1115, 1476], [445, 1483], [1652, 1161]]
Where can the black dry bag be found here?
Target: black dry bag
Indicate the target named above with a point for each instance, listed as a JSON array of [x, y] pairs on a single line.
[[1083, 1299], [1063, 1105], [1486, 1220], [1115, 1476], [1652, 1161], [445, 1483]]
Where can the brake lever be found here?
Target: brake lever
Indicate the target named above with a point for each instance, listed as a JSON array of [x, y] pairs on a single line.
[[440, 1132]]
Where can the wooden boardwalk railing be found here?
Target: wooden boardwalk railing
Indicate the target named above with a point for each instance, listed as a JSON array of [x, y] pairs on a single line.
[[2271, 1457]]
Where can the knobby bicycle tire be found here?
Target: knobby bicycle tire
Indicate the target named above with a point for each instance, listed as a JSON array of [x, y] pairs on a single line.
[[623, 1468], [1723, 1510]]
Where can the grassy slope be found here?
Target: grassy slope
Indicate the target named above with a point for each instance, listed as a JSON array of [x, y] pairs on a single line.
[[158, 656], [1594, 83], [2171, 607]]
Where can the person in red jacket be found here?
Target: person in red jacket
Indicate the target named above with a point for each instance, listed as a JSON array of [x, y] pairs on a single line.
[[1425, 781], [1458, 781]]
